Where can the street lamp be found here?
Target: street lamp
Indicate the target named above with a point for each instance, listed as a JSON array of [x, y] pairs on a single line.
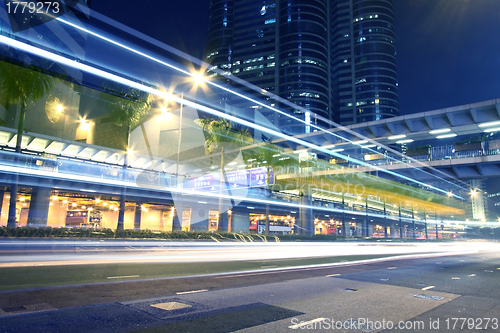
[[198, 80], [165, 115]]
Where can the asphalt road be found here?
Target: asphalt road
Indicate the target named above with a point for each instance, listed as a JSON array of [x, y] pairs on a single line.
[[420, 294]]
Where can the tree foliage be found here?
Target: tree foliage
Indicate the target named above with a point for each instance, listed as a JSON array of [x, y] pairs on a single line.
[[218, 131], [127, 106], [23, 85]]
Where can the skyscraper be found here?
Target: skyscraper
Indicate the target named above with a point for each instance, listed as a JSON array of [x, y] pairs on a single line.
[[363, 60], [335, 59]]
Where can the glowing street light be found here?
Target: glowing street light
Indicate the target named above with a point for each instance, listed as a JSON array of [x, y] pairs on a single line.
[[165, 115], [84, 124], [198, 78]]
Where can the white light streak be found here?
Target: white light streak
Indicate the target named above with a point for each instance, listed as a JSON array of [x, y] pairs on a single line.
[[491, 123], [164, 95], [446, 136], [439, 131], [395, 137]]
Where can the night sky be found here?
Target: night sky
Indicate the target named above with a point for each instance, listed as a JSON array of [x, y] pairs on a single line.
[[448, 50]]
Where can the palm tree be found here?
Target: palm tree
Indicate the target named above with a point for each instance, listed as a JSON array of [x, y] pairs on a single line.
[[129, 108], [22, 86], [218, 131], [267, 153], [220, 134]]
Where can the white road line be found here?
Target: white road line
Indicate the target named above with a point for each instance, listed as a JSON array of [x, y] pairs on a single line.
[[471, 275], [305, 323], [332, 275], [429, 287], [391, 267], [284, 270], [123, 277], [191, 292]]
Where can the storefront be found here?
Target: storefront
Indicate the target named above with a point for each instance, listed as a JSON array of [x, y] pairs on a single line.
[[278, 224], [67, 209]]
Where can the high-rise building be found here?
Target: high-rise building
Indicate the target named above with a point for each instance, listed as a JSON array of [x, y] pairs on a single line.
[[363, 60], [335, 59]]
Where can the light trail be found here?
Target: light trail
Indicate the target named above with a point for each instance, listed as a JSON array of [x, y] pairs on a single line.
[[166, 95], [178, 252]]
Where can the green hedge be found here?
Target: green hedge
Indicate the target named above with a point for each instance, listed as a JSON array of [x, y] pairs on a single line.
[[475, 233], [142, 234]]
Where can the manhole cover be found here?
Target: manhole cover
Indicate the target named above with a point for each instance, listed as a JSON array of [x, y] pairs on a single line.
[[170, 306], [431, 297]]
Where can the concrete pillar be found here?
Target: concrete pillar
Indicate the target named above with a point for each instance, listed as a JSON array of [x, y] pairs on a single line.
[[2, 192], [137, 216], [39, 206], [179, 209], [306, 218], [400, 224], [425, 225], [413, 224], [345, 226], [365, 222], [385, 222], [224, 222]]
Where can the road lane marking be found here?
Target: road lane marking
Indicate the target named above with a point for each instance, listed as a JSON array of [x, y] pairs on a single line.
[[455, 278], [431, 297], [429, 287], [305, 323], [332, 275], [391, 267], [123, 277], [471, 275], [191, 292], [283, 270]]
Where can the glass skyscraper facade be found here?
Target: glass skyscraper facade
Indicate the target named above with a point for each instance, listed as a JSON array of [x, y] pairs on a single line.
[[363, 58], [333, 60]]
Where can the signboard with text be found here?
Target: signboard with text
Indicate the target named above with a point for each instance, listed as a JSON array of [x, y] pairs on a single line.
[[255, 177]]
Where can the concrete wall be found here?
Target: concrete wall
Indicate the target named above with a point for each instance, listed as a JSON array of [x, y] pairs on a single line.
[[240, 221]]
